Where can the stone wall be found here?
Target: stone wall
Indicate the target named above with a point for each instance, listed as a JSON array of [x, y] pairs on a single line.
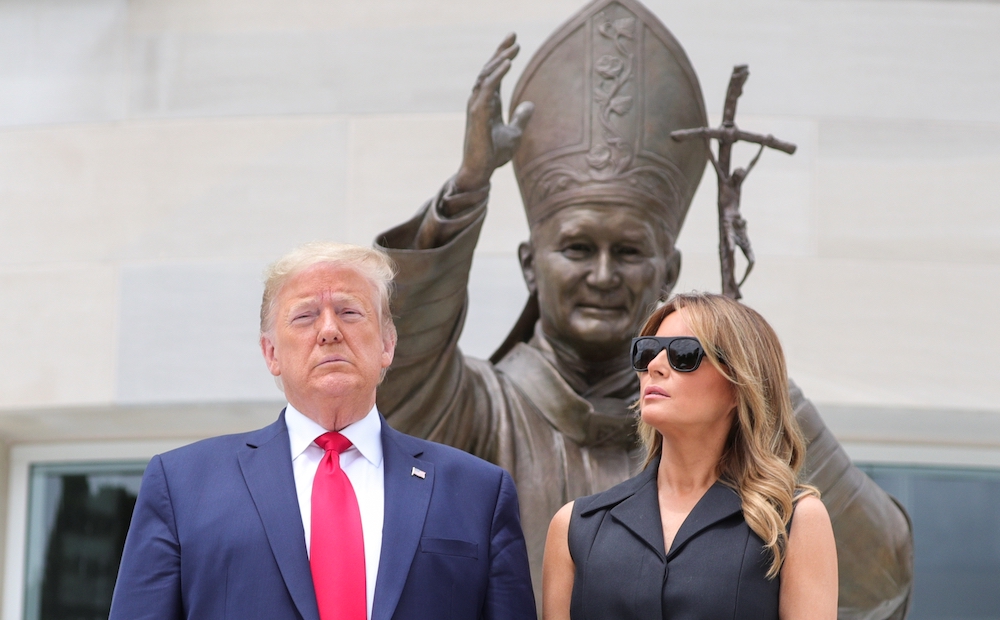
[[155, 155]]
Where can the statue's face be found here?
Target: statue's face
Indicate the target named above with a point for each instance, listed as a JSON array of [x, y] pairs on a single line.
[[597, 271]]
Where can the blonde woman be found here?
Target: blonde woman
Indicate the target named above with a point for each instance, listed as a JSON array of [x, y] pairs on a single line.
[[716, 525]]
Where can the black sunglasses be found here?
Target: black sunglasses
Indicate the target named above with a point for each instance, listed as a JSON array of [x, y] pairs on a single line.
[[684, 353]]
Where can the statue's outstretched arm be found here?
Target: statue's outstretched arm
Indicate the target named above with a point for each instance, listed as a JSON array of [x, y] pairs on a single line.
[[489, 144], [431, 390]]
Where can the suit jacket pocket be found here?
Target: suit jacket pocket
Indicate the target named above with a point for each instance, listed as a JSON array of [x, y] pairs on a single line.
[[448, 546]]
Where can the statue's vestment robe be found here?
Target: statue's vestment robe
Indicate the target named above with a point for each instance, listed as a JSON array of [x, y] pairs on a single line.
[[558, 445]]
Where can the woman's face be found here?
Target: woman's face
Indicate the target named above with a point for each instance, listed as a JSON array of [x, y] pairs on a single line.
[[670, 400]]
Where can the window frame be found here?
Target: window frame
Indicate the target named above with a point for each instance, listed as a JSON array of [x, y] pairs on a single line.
[[21, 458]]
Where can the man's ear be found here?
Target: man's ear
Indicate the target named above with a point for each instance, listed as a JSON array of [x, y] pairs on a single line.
[[527, 258], [270, 355], [673, 272], [388, 346]]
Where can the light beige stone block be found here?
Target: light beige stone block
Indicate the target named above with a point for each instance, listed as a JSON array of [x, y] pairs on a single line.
[[855, 59], [306, 15], [178, 189], [189, 332], [396, 163], [400, 161], [341, 71], [913, 210], [58, 340], [873, 140], [885, 333], [700, 270], [62, 61]]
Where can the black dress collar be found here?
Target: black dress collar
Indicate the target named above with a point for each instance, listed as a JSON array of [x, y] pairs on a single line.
[[634, 504]]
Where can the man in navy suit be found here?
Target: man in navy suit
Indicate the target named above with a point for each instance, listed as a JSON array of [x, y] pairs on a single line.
[[223, 528]]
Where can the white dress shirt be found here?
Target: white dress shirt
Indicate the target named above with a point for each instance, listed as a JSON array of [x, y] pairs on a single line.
[[362, 463]]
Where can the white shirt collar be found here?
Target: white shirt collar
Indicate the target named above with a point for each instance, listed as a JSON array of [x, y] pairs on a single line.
[[365, 434]]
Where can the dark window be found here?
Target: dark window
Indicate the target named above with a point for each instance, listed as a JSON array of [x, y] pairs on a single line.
[[78, 515], [956, 538]]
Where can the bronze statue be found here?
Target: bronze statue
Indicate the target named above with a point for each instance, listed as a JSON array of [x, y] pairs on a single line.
[[606, 191], [732, 226]]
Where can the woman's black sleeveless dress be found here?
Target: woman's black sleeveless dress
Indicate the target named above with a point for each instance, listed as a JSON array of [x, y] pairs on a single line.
[[715, 568]]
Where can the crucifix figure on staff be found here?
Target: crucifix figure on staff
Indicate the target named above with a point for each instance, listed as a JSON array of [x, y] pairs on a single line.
[[732, 226]]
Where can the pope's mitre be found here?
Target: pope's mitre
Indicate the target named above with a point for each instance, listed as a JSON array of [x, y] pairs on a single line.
[[608, 87]]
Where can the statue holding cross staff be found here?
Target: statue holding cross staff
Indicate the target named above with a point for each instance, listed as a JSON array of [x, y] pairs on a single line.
[[605, 191], [732, 226]]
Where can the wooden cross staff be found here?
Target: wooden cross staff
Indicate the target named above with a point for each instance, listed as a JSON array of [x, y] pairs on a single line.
[[732, 226]]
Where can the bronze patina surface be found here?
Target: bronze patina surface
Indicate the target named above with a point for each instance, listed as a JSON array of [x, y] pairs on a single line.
[[606, 191]]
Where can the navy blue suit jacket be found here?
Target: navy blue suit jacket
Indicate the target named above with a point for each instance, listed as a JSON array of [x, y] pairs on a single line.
[[216, 533]]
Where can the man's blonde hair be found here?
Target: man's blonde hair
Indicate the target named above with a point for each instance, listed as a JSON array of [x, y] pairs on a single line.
[[372, 263], [765, 449]]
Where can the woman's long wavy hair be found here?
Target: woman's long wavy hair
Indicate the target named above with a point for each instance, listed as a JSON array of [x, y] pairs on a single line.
[[764, 449]]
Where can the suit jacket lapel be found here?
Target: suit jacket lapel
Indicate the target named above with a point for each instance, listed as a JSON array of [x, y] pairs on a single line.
[[407, 497], [267, 468]]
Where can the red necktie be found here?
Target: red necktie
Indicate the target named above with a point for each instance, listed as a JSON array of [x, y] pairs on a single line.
[[337, 549]]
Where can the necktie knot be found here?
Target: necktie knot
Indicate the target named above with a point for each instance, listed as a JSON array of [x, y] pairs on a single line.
[[333, 441]]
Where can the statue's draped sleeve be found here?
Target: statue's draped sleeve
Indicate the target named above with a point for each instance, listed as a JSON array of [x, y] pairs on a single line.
[[872, 531], [432, 390]]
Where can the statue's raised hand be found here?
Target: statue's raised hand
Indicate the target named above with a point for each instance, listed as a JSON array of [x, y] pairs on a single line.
[[489, 143]]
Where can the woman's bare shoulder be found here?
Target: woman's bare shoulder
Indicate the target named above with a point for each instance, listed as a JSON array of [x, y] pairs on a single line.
[[810, 513], [562, 517]]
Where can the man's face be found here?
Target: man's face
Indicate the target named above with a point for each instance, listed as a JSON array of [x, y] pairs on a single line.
[[327, 344], [597, 271]]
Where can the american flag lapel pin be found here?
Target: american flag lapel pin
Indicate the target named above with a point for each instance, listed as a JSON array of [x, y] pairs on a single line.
[[419, 473]]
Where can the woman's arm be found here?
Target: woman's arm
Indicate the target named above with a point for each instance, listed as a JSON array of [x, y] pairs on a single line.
[[809, 573], [558, 569]]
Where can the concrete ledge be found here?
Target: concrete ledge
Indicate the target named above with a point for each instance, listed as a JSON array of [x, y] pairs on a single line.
[[135, 422], [921, 427], [852, 425]]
